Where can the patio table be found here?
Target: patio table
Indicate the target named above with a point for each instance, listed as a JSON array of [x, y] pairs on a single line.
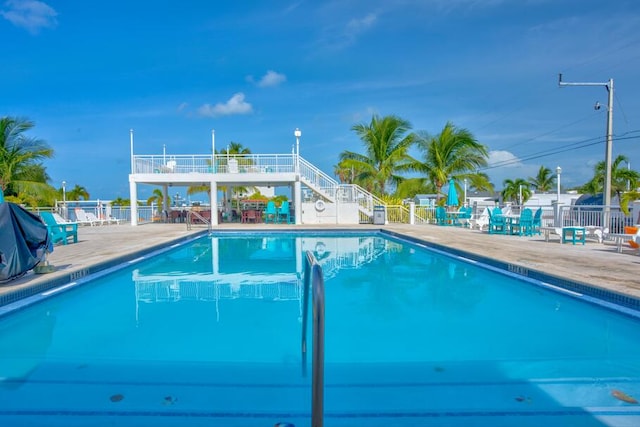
[[510, 220], [574, 234]]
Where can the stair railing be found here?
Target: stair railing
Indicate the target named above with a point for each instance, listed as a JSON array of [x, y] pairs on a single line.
[[191, 214]]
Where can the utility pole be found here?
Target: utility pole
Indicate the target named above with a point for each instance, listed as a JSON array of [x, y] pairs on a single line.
[[607, 155]]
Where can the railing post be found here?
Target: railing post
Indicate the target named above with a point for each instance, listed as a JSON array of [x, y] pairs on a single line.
[[557, 213], [412, 213]]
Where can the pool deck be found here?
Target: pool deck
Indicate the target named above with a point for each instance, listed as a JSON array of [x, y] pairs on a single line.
[[596, 264]]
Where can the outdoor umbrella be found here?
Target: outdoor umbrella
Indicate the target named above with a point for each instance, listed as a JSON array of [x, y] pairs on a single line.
[[452, 197]]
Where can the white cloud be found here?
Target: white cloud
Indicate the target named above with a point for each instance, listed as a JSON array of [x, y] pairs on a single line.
[[32, 15], [501, 158], [357, 26], [183, 106], [336, 37], [272, 79], [235, 105]]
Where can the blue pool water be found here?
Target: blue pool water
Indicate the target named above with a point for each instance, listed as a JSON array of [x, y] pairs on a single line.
[[209, 333]]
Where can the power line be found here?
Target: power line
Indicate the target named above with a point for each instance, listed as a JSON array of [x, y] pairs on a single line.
[[549, 132], [574, 146]]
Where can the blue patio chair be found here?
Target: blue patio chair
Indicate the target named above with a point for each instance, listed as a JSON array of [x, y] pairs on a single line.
[[271, 213], [60, 232], [524, 226], [283, 213], [537, 222], [465, 216], [441, 216], [497, 222]]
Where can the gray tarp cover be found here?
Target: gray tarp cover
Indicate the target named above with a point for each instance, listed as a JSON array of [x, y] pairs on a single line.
[[23, 241]]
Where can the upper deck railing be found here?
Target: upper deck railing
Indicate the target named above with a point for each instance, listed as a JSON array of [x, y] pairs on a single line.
[[220, 163]]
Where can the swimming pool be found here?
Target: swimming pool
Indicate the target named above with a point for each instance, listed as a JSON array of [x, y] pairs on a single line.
[[208, 333]]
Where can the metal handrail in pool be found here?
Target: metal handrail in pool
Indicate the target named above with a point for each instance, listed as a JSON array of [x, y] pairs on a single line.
[[191, 213], [314, 277]]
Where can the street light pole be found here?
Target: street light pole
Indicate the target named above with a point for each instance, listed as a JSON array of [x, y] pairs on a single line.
[[520, 195], [297, 134], [465, 193], [64, 199], [607, 156], [558, 172]]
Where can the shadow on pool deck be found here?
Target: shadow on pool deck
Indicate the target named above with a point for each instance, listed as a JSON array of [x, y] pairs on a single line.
[[594, 263]]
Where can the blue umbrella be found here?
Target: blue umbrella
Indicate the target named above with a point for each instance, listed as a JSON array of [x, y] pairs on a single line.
[[452, 197]]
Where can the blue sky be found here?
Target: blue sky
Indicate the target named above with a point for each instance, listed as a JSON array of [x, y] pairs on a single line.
[[87, 72]]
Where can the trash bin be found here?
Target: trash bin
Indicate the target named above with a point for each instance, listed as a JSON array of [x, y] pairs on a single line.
[[379, 215]]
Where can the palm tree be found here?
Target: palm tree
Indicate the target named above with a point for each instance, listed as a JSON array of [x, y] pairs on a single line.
[[453, 153], [158, 198], [513, 188], [620, 178], [387, 144], [409, 187], [119, 201], [628, 197], [77, 193], [544, 180], [22, 175], [234, 149]]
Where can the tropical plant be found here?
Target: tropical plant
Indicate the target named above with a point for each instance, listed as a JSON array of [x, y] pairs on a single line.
[[119, 201], [23, 177], [544, 180], [454, 153], [628, 197], [621, 177], [157, 198], [345, 174], [78, 193], [232, 150], [513, 189], [409, 187], [279, 199], [386, 141]]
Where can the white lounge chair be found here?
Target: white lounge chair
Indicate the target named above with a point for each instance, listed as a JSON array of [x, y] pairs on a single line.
[[92, 217], [82, 217], [480, 221]]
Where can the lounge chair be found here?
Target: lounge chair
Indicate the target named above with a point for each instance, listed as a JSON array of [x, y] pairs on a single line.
[[83, 218], [283, 213], [634, 242], [271, 213], [93, 218], [60, 232], [481, 220]]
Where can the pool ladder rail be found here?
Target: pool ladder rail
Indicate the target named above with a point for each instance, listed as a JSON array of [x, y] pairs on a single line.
[[191, 214], [314, 282]]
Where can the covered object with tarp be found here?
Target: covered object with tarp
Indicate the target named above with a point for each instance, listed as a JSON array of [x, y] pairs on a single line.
[[24, 241]]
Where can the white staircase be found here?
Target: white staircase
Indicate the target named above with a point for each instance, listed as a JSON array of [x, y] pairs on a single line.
[[332, 191]]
